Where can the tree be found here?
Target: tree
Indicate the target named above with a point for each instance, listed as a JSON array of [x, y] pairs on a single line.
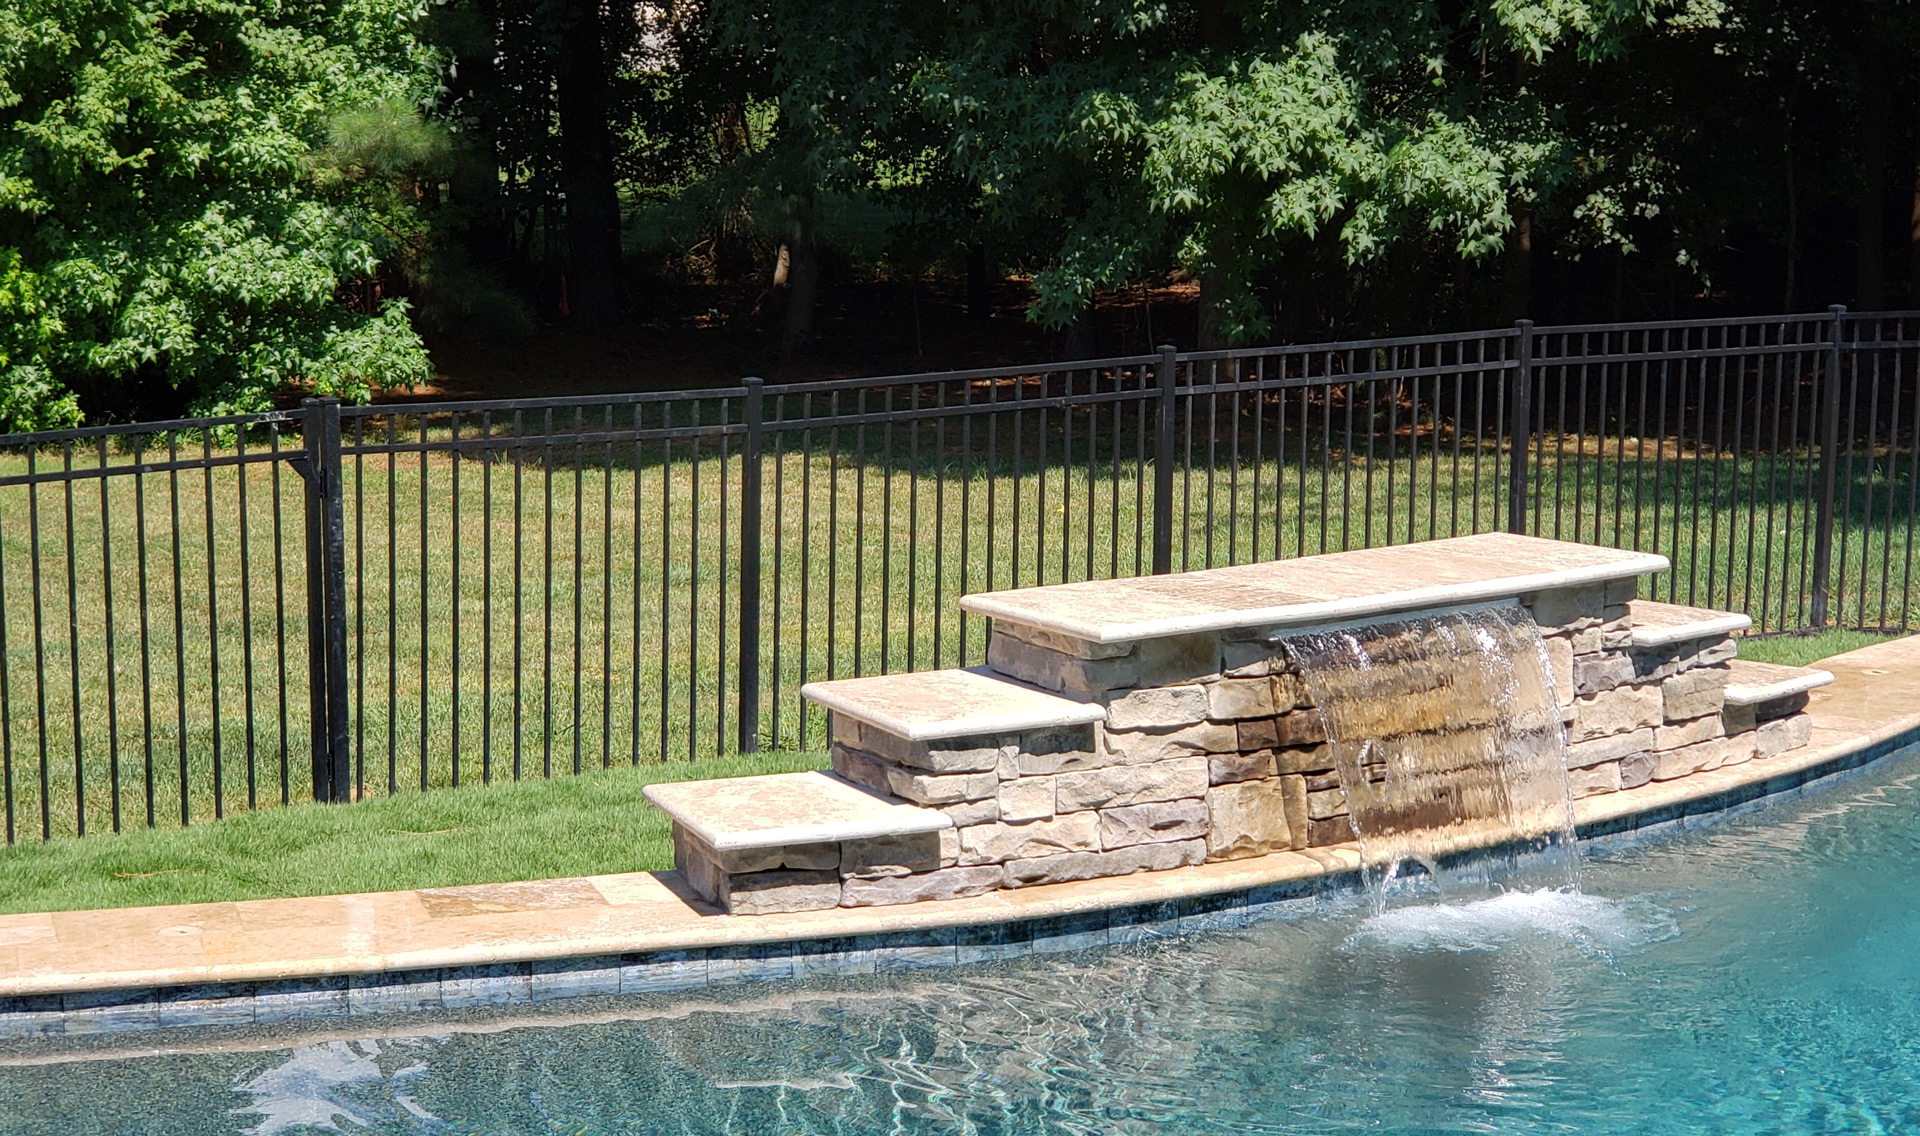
[[198, 199]]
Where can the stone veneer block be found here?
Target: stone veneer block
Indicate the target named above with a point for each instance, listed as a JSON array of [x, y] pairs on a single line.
[[1158, 709], [1232, 698], [944, 883], [1299, 728], [1611, 747], [1226, 768], [1604, 778], [1661, 663], [1028, 798], [1658, 624], [1618, 711], [1119, 747], [1568, 609], [780, 809], [1693, 693], [1739, 719], [884, 856], [1703, 756], [1093, 865], [1636, 770], [1605, 671], [1251, 818], [1560, 654], [1782, 734], [999, 842], [1702, 729], [1131, 784], [1129, 825], [931, 705], [942, 789], [1312, 590]]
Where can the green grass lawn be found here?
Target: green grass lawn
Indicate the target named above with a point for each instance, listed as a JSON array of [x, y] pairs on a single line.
[[1801, 650], [569, 826]]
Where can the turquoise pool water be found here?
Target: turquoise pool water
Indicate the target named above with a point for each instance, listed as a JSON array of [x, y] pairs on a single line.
[[1762, 976]]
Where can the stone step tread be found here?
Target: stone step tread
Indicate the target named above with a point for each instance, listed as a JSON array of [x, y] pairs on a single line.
[[1750, 683], [778, 810], [957, 703], [1657, 624]]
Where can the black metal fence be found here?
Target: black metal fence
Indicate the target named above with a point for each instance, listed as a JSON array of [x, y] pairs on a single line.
[[220, 614]]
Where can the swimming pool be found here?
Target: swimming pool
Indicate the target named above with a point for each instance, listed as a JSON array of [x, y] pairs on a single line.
[[1759, 976]]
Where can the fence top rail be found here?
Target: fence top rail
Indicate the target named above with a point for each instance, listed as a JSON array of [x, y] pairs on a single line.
[[165, 426], [933, 378], [551, 402], [1340, 346], [1797, 318]]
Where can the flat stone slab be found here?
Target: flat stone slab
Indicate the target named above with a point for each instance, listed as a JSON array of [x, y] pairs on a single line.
[[1750, 683], [780, 809], [1657, 624], [929, 705], [1329, 588]]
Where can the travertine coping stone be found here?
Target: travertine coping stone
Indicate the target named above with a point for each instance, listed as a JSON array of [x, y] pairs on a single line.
[[893, 855], [1752, 683], [1595, 673], [1690, 694], [1703, 756], [1664, 662], [1227, 768], [933, 705], [939, 789], [1131, 784], [1636, 770], [1135, 748], [1658, 624], [1610, 747], [1299, 728], [1092, 865], [1129, 825], [1739, 719], [781, 809], [1314, 590], [1029, 798], [1232, 698], [999, 842], [1158, 709], [1702, 729], [1618, 711], [1252, 818], [1604, 778], [946, 883], [1782, 734]]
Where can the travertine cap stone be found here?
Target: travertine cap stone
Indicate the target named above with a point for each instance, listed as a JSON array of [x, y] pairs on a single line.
[[1751, 683], [1313, 589], [1658, 624], [930, 705], [734, 813]]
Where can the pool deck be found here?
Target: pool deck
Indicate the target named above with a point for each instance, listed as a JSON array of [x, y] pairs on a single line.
[[537, 936]]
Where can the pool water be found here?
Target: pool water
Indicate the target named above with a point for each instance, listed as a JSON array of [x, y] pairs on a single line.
[[1760, 976]]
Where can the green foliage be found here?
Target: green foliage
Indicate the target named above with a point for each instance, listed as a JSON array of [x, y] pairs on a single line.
[[29, 397], [197, 185]]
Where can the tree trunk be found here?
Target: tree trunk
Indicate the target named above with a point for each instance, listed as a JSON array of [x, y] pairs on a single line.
[[1870, 265], [1913, 219], [803, 276], [593, 204], [1518, 282], [1212, 333], [979, 305], [1080, 341]]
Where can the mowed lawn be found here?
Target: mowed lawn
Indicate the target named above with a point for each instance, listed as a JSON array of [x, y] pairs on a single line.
[[579, 609]]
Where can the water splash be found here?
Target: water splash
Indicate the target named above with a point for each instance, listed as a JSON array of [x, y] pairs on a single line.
[[1448, 741]]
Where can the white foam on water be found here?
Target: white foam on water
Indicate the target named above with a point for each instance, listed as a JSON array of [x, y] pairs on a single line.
[[1594, 924]]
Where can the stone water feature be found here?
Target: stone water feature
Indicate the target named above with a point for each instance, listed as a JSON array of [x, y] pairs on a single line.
[[1158, 723]]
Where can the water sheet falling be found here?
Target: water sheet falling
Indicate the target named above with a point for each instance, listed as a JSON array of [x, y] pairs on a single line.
[[1447, 737]]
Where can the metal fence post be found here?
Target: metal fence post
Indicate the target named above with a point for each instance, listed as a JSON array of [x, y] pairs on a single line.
[[1163, 467], [1829, 451], [1520, 429], [751, 474], [326, 603]]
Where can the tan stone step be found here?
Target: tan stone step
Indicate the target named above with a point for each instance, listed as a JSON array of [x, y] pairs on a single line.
[[1658, 624], [1751, 683], [777, 810], [966, 702]]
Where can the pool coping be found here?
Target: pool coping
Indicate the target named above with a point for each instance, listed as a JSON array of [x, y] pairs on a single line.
[[644, 933]]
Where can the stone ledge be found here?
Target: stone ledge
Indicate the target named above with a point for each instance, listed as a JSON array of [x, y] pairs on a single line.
[[1752, 683], [775, 810], [931, 705], [1312, 590], [1658, 624]]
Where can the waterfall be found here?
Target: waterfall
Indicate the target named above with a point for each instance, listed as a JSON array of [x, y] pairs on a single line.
[[1447, 739]]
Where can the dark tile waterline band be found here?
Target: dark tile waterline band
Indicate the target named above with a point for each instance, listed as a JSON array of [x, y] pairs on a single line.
[[332, 999]]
